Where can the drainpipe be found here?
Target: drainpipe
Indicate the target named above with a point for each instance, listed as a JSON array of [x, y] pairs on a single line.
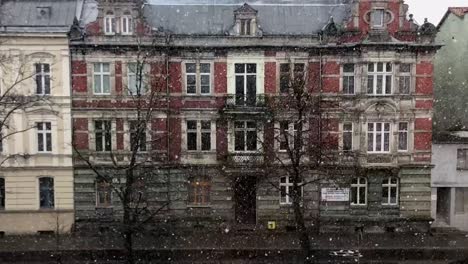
[[168, 140]]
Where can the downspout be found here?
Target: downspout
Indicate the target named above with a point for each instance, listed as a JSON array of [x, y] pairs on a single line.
[[168, 140]]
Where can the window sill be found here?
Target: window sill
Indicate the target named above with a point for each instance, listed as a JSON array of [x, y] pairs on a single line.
[[462, 169], [189, 206]]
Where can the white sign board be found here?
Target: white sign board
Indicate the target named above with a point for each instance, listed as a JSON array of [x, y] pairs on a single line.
[[335, 194]]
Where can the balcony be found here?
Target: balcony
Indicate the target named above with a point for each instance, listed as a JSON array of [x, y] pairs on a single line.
[[245, 158], [245, 104]]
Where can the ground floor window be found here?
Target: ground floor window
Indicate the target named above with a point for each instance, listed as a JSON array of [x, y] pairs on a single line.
[[359, 191], [199, 191], [103, 194], [2, 193], [286, 189], [46, 192], [461, 200], [390, 191]]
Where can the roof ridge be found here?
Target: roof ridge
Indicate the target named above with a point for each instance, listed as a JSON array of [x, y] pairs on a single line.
[[459, 11]]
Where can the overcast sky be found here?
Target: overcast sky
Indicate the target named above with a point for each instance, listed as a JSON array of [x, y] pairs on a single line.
[[434, 10]]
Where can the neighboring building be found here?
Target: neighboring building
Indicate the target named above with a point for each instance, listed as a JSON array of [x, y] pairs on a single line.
[[371, 66], [36, 173], [450, 175]]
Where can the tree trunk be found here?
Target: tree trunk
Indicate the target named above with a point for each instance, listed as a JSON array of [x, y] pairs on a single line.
[[128, 237], [304, 239]]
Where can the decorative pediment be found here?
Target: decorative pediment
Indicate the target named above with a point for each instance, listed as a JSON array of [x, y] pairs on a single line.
[[381, 107], [246, 9]]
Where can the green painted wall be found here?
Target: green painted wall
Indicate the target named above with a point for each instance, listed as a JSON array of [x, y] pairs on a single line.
[[451, 74]]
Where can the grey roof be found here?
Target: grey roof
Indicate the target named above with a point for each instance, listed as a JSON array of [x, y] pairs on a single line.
[[24, 15], [216, 17]]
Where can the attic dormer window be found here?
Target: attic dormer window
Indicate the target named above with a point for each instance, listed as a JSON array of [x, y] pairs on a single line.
[[245, 27], [377, 18], [109, 24], [246, 21], [126, 24]]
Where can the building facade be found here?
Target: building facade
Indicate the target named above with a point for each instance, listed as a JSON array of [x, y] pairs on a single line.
[[36, 171], [449, 177], [216, 67]]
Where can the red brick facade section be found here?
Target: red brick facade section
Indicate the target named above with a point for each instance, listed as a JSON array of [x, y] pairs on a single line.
[[424, 104], [424, 85], [221, 140], [331, 68], [118, 78], [423, 124], [422, 140], [331, 84], [159, 134], [175, 139], [220, 69], [79, 76], [80, 133], [313, 81], [425, 68], [270, 77], [175, 77], [120, 133], [93, 28]]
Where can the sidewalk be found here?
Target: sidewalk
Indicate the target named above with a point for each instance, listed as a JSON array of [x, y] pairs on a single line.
[[373, 246]]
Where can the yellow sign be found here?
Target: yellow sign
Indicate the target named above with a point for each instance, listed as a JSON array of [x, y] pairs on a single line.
[[271, 225]]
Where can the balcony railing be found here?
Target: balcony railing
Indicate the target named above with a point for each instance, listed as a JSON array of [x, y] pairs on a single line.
[[242, 100], [244, 158]]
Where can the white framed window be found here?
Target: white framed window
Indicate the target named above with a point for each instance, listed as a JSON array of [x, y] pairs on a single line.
[[138, 135], [136, 79], [101, 78], [405, 78], [348, 79], [289, 74], [403, 136], [288, 130], [245, 27], [198, 78], [44, 136], [347, 136], [462, 159], [378, 137], [379, 78], [103, 136], [42, 78], [286, 188], [109, 24], [198, 135], [245, 136], [246, 84], [359, 191], [461, 200], [390, 191], [126, 23], [377, 18]]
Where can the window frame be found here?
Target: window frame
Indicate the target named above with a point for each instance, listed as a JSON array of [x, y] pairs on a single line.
[[132, 131], [291, 75], [245, 75], [462, 159], [103, 187], [374, 75], [199, 131], [358, 185], [288, 184], [44, 134], [405, 75], [347, 75], [103, 74], [198, 74], [199, 187], [109, 29], [387, 183], [2, 193], [245, 27], [292, 135], [402, 132], [344, 133], [132, 74], [126, 20], [52, 196], [105, 133], [43, 78], [245, 130], [382, 141], [382, 18]]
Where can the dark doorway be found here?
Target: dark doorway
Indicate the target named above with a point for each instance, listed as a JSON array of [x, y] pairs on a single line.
[[443, 204], [245, 192]]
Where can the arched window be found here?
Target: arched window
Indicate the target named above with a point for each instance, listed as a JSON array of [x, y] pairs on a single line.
[[46, 193], [109, 24], [390, 191], [359, 191], [199, 190], [126, 22], [2, 193]]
